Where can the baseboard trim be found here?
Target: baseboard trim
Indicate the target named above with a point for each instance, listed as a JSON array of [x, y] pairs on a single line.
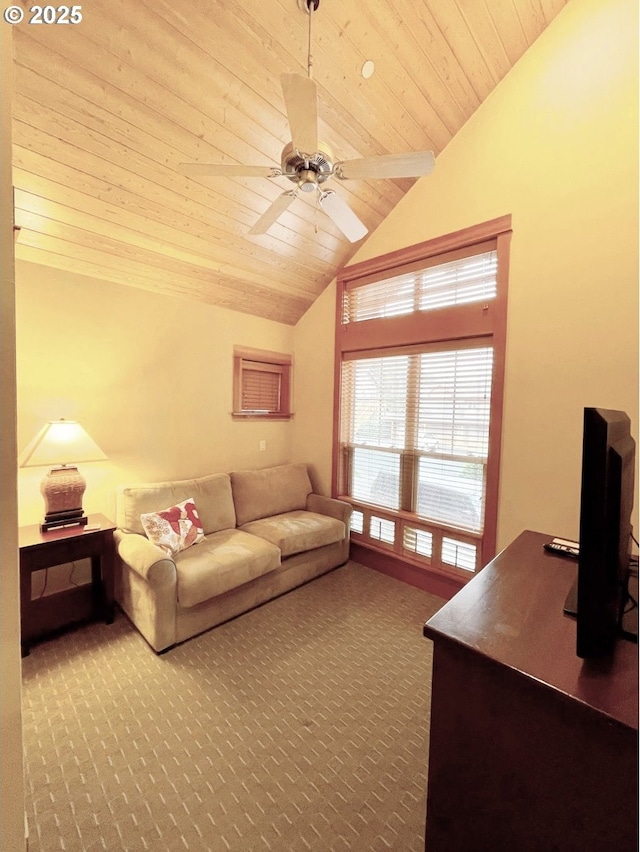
[[436, 584]]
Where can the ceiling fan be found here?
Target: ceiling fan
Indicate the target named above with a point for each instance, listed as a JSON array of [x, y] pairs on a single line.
[[308, 162]]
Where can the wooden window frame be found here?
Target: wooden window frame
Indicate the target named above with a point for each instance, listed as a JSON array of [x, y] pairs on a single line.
[[464, 322], [261, 360]]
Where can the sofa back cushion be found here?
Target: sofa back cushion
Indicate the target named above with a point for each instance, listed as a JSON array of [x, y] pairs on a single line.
[[211, 495], [270, 491]]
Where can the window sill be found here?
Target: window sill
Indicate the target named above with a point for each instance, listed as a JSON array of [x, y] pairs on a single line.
[[240, 415]]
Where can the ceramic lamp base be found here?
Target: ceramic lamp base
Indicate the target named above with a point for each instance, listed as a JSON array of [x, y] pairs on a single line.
[[62, 490]]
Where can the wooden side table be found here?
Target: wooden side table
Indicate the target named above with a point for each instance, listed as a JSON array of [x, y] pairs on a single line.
[[40, 550]]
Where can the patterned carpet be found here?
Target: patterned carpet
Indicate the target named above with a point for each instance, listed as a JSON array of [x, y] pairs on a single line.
[[302, 725]]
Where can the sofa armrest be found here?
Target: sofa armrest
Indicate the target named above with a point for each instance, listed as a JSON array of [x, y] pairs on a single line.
[[151, 562], [331, 507]]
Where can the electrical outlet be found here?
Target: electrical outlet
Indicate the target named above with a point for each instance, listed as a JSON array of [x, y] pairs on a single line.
[[263, 446]]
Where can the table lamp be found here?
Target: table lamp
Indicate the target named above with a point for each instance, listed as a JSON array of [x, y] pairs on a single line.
[[63, 444]]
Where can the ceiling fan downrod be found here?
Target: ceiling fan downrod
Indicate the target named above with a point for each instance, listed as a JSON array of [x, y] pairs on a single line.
[[312, 6]]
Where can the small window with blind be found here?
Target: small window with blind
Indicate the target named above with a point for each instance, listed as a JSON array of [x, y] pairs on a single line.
[[420, 341], [261, 384]]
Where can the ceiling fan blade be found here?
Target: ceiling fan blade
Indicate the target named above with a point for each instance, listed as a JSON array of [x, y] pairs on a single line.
[[342, 216], [227, 170], [301, 100], [273, 212], [409, 165]]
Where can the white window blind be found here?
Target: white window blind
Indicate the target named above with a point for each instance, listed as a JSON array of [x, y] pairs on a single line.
[[453, 413], [418, 541], [470, 279], [460, 281], [374, 425], [388, 298], [357, 521], [382, 529], [460, 554], [415, 429]]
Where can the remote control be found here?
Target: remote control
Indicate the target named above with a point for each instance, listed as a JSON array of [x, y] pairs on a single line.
[[562, 549]]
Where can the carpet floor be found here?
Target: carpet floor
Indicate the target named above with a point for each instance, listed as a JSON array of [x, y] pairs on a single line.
[[302, 725]]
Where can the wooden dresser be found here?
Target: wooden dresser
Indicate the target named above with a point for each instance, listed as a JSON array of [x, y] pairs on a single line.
[[532, 748]]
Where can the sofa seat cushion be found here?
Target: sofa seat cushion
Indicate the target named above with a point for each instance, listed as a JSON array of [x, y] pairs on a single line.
[[295, 532], [223, 561]]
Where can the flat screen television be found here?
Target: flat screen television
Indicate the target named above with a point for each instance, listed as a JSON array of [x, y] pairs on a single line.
[[601, 595]]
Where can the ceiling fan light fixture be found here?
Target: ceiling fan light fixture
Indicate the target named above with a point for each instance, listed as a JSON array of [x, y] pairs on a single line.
[[307, 180]]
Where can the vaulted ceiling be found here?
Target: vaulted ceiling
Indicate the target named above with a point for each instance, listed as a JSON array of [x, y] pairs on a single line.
[[106, 109]]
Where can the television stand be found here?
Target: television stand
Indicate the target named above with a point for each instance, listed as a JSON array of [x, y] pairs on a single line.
[[531, 747]]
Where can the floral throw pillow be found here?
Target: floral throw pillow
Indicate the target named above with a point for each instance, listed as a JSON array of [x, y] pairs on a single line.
[[174, 529]]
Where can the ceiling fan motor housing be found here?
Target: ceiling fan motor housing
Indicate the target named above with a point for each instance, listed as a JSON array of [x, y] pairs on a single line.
[[307, 173]]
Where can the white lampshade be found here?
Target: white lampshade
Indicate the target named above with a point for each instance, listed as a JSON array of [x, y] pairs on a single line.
[[61, 442]]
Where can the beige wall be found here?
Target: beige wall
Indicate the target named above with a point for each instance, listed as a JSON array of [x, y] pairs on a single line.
[[314, 348], [555, 145], [148, 376]]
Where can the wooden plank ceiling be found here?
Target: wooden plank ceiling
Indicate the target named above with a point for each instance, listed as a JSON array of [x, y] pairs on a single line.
[[106, 109]]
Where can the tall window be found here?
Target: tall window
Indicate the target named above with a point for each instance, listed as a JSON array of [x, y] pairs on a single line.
[[420, 349]]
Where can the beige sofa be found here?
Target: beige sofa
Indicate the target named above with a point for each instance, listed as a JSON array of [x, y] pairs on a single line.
[[266, 532]]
